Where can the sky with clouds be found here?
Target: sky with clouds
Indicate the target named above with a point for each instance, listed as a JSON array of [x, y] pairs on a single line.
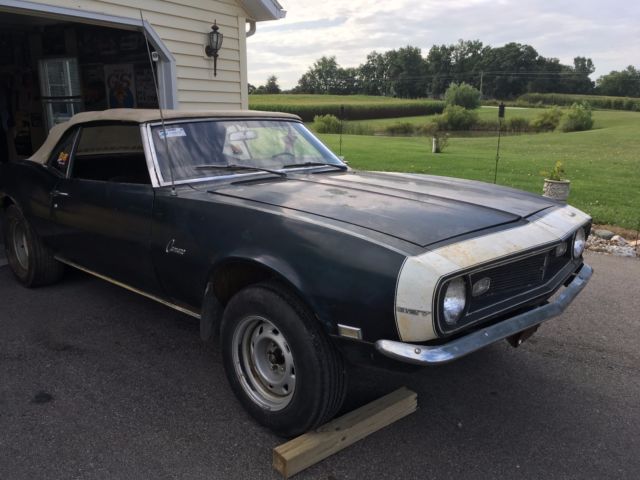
[[607, 32]]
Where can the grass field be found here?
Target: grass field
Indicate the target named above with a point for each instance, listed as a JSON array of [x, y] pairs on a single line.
[[603, 164], [290, 99], [356, 107]]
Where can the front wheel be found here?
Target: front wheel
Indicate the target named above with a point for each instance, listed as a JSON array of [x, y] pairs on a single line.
[[30, 260], [280, 364]]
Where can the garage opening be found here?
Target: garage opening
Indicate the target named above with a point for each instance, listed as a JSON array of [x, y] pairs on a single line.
[[52, 67]]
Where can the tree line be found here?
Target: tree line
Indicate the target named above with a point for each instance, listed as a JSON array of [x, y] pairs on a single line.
[[498, 72]]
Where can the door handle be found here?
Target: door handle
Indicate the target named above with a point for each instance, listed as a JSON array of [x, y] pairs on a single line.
[[58, 193]]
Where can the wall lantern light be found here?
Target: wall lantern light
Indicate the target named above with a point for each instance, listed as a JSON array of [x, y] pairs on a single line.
[[213, 47]]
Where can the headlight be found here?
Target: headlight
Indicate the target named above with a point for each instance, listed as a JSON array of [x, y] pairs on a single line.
[[579, 242], [455, 299]]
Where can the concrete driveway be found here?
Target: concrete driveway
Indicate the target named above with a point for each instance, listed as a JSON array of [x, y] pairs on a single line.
[[96, 382]]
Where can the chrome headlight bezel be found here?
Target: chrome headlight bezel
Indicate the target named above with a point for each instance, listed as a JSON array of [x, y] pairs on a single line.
[[454, 300], [579, 242]]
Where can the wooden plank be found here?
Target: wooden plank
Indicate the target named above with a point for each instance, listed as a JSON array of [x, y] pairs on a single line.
[[306, 450]]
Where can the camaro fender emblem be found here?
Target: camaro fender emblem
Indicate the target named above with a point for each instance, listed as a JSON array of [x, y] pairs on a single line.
[[171, 248], [411, 311]]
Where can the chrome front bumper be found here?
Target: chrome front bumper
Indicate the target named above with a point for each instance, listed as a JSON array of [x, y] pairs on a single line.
[[426, 355]]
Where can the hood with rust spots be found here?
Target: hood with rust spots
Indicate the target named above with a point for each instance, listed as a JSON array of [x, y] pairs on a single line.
[[420, 209]]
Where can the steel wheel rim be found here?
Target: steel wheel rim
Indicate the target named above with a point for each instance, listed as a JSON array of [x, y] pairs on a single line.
[[20, 246], [264, 363]]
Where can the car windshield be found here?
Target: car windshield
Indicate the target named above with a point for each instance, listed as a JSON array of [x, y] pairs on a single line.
[[201, 149]]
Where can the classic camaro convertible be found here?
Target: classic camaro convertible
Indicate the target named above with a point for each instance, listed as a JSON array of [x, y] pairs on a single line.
[[294, 261]]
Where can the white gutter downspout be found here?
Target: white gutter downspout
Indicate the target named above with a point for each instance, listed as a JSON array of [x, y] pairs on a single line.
[[252, 28]]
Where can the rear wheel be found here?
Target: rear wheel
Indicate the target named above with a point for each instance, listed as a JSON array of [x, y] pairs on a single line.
[[30, 260], [280, 364]]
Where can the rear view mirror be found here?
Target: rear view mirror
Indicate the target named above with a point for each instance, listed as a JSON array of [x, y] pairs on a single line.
[[243, 135]]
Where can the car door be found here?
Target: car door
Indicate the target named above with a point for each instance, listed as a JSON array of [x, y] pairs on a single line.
[[103, 206]]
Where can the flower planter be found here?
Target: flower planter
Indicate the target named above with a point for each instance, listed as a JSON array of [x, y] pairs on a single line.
[[556, 189]]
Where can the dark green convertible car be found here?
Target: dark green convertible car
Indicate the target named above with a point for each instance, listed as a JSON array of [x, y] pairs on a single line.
[[294, 261]]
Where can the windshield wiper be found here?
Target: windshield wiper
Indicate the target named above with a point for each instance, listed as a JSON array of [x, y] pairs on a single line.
[[234, 166], [315, 164]]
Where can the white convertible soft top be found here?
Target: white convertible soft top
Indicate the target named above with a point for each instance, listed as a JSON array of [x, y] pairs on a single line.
[[138, 115]]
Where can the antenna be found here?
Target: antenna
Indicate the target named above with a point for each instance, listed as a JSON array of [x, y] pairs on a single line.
[[341, 123], [154, 58], [500, 117]]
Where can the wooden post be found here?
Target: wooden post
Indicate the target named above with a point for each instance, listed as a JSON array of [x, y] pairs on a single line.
[[306, 450]]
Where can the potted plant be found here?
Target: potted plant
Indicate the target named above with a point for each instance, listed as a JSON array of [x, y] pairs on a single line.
[[556, 186]]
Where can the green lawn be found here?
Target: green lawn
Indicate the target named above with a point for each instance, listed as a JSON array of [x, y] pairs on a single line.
[[603, 164]]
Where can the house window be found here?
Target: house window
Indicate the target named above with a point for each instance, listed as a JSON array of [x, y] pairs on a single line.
[[60, 89]]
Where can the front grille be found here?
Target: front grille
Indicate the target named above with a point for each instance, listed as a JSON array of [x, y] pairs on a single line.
[[513, 277], [514, 283], [517, 277]]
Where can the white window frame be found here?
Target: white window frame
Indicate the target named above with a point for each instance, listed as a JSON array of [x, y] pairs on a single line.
[[167, 79]]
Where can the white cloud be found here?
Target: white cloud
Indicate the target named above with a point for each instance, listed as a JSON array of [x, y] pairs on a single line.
[[607, 33]]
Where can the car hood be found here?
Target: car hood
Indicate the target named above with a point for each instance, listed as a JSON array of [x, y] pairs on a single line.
[[421, 209]]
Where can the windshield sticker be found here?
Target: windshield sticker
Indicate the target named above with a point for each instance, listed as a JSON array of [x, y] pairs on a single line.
[[172, 132]]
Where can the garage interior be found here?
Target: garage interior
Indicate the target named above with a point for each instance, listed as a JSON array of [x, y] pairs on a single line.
[[51, 69]]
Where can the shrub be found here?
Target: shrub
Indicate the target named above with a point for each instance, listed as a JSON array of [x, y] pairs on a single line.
[[431, 130], [331, 124], [400, 128], [486, 125], [326, 124], [349, 128], [577, 118], [428, 129], [547, 120], [456, 117], [463, 95], [518, 124], [441, 141]]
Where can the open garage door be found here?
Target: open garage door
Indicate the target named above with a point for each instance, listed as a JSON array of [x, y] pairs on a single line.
[[55, 62]]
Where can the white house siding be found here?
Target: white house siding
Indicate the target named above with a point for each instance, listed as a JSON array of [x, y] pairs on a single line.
[[183, 28]]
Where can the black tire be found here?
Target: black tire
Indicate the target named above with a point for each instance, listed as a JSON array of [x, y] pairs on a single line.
[[319, 379], [30, 260]]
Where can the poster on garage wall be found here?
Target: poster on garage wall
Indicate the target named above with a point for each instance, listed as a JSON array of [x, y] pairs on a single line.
[[146, 96], [121, 87]]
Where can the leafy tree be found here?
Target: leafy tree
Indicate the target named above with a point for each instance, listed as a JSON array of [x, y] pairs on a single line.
[[580, 82], [467, 61], [347, 82], [439, 67], [620, 84], [407, 71], [502, 72], [374, 74], [462, 94], [321, 77], [507, 70], [550, 78], [272, 85], [327, 77]]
